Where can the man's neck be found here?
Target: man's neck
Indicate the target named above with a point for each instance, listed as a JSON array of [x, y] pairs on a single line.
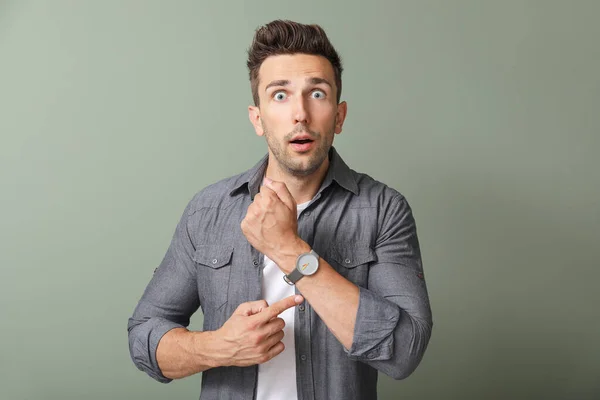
[[302, 188]]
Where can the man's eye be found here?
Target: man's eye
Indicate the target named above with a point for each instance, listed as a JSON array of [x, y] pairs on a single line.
[[318, 94], [279, 96]]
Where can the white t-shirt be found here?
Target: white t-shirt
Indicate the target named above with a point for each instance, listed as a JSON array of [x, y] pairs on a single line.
[[277, 377]]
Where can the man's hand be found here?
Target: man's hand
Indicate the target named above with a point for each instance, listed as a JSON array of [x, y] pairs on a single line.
[[271, 223], [252, 335]]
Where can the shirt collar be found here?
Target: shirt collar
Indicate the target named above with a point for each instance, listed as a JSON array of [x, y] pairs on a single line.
[[338, 171]]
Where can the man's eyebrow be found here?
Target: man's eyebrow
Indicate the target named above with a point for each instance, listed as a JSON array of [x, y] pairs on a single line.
[[316, 81], [281, 82], [285, 82]]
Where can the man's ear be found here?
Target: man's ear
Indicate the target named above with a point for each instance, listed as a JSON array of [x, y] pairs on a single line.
[[342, 110], [254, 116]]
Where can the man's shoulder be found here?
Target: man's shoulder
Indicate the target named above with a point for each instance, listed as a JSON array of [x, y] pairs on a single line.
[[372, 190], [217, 194], [368, 191]]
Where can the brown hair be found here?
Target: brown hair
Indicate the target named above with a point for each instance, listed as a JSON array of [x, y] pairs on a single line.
[[289, 37]]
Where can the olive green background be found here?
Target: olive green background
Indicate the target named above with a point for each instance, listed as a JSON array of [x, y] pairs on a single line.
[[484, 114]]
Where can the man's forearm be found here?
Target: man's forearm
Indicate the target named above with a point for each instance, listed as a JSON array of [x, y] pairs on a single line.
[[333, 297], [182, 353]]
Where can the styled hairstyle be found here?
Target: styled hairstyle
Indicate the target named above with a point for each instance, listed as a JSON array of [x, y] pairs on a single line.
[[289, 37]]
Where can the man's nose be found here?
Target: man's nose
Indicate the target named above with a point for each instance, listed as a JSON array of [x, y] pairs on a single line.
[[300, 111]]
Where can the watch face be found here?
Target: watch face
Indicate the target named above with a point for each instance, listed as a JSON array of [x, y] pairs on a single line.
[[308, 264]]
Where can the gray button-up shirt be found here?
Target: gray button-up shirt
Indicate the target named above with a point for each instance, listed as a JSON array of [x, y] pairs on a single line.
[[360, 226]]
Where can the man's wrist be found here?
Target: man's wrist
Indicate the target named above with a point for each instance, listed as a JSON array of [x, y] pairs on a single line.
[[286, 260], [205, 343]]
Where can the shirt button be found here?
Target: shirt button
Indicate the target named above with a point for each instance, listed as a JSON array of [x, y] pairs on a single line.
[[303, 357], [347, 261], [214, 261], [255, 263], [301, 307], [307, 213]]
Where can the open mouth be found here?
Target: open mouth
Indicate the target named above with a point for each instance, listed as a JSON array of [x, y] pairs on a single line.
[[302, 145], [301, 141]]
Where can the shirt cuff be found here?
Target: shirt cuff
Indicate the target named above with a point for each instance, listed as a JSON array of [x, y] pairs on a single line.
[[376, 320], [144, 342]]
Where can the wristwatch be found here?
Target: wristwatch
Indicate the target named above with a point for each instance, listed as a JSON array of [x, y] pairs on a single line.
[[306, 264]]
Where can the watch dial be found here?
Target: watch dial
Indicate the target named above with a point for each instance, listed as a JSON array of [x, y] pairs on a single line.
[[307, 264]]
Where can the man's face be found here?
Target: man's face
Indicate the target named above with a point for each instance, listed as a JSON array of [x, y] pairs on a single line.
[[298, 112]]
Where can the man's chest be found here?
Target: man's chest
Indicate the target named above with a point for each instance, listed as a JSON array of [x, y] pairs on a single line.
[[229, 270]]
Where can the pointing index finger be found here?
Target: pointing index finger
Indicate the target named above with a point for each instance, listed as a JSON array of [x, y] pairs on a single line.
[[278, 307]]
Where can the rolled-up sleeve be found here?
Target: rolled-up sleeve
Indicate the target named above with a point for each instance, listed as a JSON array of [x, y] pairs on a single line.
[[168, 302], [394, 321]]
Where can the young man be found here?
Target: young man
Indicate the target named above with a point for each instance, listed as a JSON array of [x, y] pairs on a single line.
[[308, 273]]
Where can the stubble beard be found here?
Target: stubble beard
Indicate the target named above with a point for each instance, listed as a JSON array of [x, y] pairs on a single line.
[[296, 167]]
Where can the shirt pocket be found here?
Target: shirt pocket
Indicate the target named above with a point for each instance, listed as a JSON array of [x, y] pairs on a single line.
[[213, 271], [352, 261]]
